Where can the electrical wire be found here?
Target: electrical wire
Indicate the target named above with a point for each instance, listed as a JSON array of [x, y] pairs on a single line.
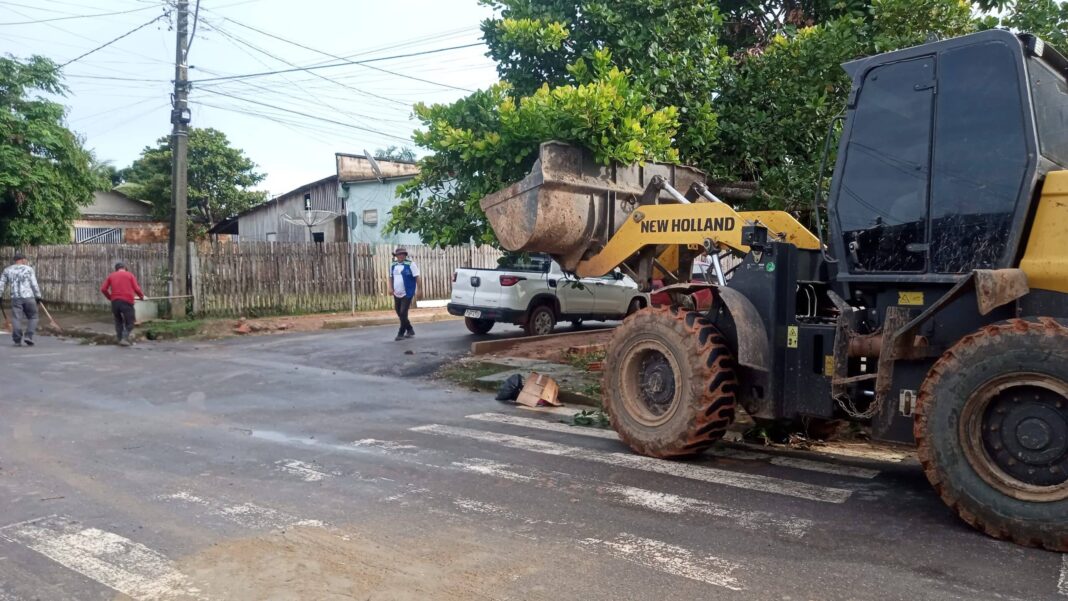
[[193, 34], [108, 43], [342, 64], [310, 116], [67, 18], [282, 60], [334, 56]]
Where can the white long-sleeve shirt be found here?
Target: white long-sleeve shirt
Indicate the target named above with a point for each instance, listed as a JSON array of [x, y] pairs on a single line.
[[22, 280]]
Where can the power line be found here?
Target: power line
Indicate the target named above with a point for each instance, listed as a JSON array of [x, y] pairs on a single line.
[[193, 34], [282, 60], [323, 119], [334, 56], [342, 64], [106, 44], [121, 12]]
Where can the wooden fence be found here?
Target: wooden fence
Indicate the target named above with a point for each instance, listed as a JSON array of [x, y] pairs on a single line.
[[251, 278]]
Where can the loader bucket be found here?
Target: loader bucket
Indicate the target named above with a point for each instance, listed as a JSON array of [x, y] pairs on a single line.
[[569, 204]]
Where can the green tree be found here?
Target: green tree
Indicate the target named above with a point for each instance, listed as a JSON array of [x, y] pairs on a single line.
[[490, 139], [395, 153], [755, 85], [670, 48], [776, 106], [220, 178], [45, 172]]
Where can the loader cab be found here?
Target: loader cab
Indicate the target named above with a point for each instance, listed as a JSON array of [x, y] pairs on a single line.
[[940, 156]]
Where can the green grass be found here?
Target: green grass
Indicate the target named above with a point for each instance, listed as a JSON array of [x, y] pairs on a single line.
[[582, 361]]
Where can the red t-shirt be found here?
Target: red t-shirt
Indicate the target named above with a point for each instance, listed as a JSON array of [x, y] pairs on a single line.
[[121, 285]]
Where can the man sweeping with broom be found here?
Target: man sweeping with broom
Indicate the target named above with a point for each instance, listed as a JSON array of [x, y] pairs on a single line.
[[25, 294]]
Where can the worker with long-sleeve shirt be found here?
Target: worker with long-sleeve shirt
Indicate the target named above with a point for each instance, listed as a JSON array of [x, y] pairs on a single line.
[[120, 288], [25, 294]]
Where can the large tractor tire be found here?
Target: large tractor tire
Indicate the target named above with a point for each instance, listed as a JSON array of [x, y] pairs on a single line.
[[669, 382], [991, 429]]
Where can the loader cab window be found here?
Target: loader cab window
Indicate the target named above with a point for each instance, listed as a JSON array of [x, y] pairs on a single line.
[[980, 156], [882, 199], [1050, 96]]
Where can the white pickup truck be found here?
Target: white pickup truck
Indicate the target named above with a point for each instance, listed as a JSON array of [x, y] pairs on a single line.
[[537, 295]]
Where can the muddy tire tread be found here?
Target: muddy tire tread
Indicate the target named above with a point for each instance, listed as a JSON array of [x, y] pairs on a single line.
[[712, 367], [950, 362]]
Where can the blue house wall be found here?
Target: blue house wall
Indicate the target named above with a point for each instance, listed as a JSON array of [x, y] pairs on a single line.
[[372, 200]]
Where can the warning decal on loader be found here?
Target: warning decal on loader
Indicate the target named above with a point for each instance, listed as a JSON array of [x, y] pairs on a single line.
[[910, 298]]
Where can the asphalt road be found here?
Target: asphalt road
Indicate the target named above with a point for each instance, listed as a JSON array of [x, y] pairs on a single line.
[[327, 466]]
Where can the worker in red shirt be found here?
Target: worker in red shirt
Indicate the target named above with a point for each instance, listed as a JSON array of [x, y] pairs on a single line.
[[120, 288]]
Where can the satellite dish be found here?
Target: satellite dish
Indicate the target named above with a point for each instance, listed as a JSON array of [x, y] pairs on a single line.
[[374, 165]]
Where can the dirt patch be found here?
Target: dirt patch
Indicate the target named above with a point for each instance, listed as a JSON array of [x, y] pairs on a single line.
[[316, 563], [553, 350]]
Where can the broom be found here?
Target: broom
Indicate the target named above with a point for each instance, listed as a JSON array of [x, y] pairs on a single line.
[[51, 322]]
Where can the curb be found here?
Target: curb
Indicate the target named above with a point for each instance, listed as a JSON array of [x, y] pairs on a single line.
[[489, 346], [342, 324]]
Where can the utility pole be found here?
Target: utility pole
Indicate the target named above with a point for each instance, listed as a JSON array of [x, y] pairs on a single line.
[[180, 117]]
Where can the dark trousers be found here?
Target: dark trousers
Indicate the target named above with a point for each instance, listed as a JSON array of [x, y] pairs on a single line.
[[401, 304], [24, 319], [124, 318]]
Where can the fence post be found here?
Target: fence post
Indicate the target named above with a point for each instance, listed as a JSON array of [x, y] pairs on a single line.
[[194, 275]]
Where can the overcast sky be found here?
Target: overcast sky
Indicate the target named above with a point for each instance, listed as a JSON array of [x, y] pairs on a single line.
[[119, 117]]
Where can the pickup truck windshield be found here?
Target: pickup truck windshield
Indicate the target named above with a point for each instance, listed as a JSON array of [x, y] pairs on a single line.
[[536, 263], [1050, 94]]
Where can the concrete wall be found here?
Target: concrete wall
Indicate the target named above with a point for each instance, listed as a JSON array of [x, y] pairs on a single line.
[[364, 197], [133, 232]]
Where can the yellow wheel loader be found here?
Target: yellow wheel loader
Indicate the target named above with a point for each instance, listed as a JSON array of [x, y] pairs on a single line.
[[935, 309]]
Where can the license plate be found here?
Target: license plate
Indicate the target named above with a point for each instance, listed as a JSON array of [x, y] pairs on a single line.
[[472, 314]]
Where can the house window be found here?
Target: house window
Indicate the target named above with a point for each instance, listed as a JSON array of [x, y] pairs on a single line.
[[370, 217], [319, 237], [98, 235], [272, 236]]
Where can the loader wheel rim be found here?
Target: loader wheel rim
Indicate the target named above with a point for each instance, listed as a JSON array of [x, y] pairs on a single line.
[[649, 390], [1015, 434]]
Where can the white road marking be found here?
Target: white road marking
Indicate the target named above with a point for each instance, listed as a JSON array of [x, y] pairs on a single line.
[[387, 445], [309, 472], [565, 411], [105, 557], [249, 515], [1062, 584], [671, 559], [712, 475], [640, 497], [792, 462]]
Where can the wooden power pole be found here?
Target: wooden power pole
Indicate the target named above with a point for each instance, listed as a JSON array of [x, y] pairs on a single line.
[[180, 117]]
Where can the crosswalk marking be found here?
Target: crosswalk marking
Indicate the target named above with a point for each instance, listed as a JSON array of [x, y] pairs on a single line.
[[792, 462], [308, 472], [248, 515], [682, 470], [640, 497], [1062, 584], [672, 559], [105, 557]]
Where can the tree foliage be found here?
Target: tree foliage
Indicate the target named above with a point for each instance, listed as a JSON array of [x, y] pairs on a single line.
[[45, 172], [775, 107], [490, 139], [755, 84], [395, 153], [220, 178]]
